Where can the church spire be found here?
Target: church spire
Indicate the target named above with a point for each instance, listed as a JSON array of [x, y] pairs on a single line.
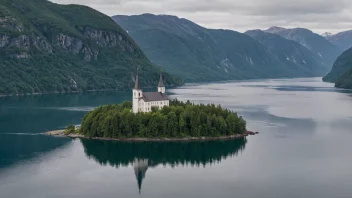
[[136, 83], [161, 83]]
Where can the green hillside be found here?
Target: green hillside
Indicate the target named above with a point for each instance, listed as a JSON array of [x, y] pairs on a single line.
[[342, 65], [345, 81], [186, 49], [341, 72], [46, 47]]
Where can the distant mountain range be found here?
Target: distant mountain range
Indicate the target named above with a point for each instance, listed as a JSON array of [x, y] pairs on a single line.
[[46, 47], [291, 53], [196, 53], [343, 40], [316, 43]]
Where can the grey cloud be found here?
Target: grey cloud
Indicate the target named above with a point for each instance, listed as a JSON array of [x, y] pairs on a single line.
[[240, 15]]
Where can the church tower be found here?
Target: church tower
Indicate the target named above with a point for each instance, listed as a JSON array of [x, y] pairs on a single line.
[[161, 86], [136, 95]]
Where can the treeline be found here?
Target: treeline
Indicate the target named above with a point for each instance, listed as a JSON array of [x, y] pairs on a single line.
[[179, 120]]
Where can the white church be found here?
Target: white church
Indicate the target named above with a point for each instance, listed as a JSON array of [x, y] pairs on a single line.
[[143, 102]]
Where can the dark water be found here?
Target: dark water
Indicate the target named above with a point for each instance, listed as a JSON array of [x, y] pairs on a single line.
[[303, 149]]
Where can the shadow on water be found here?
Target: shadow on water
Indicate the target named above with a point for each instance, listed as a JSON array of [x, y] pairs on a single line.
[[143, 155], [19, 148]]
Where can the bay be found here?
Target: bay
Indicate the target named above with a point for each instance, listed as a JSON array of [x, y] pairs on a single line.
[[303, 149]]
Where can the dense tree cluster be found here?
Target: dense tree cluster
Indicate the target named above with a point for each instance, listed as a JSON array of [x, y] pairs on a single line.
[[179, 120]]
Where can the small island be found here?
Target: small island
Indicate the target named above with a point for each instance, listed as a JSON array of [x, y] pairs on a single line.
[[151, 116], [177, 122]]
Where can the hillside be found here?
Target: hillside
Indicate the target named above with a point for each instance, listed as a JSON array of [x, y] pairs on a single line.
[[186, 49], [314, 42], [341, 70], [345, 81], [343, 39], [290, 53], [46, 47]]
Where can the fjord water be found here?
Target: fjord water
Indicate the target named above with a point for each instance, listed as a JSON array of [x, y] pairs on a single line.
[[303, 149]]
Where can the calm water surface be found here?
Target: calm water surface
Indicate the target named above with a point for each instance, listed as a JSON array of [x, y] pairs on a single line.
[[303, 150]]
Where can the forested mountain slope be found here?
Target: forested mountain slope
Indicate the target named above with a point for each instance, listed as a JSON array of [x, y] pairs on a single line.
[[341, 72], [186, 49], [46, 47]]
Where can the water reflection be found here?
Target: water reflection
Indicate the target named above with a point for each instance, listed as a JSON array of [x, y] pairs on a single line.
[[25, 147], [144, 155]]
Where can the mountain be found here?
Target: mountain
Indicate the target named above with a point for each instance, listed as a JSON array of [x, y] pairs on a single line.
[[186, 49], [343, 39], [314, 42], [326, 34], [291, 53], [46, 47], [341, 69], [345, 81]]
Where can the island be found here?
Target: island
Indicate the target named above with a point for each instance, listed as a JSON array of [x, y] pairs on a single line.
[[176, 122], [152, 116]]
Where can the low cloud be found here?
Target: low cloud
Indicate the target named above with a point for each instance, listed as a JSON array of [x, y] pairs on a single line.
[[317, 15]]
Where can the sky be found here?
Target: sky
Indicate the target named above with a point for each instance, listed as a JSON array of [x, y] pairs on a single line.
[[240, 15]]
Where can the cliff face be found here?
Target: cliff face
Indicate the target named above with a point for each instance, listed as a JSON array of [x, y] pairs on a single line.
[[46, 47]]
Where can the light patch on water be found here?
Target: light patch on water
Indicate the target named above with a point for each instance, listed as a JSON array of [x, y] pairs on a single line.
[[85, 109], [302, 98], [28, 134]]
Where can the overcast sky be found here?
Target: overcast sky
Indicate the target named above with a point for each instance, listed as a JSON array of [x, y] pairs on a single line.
[[240, 15]]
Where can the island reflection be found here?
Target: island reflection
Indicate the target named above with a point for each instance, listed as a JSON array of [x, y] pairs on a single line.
[[143, 155]]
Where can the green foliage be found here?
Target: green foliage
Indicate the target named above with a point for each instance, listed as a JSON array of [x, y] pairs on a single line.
[[31, 28], [179, 120], [70, 129], [345, 81], [342, 66]]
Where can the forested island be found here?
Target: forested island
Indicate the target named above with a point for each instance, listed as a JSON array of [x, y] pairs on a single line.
[[180, 120]]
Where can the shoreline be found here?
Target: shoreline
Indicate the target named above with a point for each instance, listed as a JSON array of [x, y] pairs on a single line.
[[61, 133]]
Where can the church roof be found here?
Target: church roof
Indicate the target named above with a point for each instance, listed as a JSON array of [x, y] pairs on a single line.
[[154, 96], [136, 83], [161, 83]]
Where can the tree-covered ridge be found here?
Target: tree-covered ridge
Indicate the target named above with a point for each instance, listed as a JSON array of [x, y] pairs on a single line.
[[345, 81], [179, 120], [47, 47], [342, 65]]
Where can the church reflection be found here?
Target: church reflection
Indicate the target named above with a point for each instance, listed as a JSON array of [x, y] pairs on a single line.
[[144, 155]]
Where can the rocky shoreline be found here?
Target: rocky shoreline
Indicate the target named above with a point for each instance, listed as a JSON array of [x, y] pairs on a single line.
[[61, 133]]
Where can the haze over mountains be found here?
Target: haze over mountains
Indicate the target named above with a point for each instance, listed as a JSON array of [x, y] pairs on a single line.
[[314, 42], [343, 40], [197, 53]]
